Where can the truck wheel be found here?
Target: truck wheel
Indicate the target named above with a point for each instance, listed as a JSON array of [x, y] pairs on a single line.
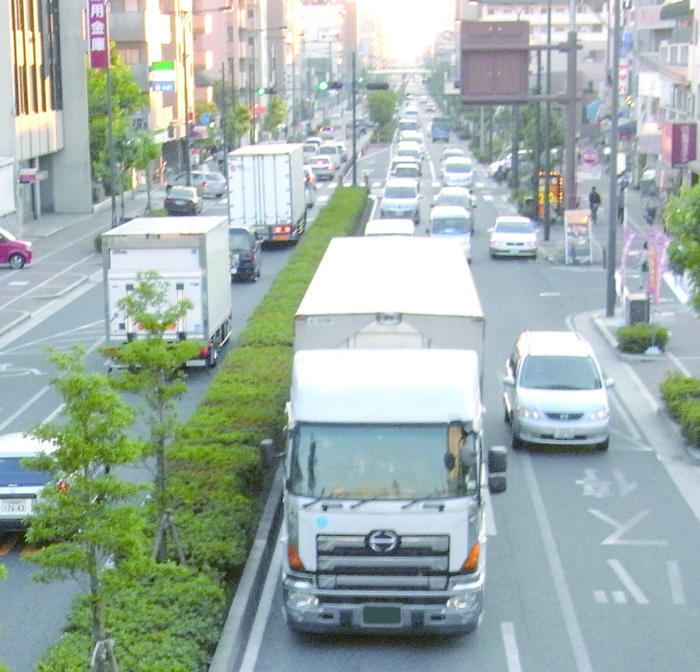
[[16, 260]]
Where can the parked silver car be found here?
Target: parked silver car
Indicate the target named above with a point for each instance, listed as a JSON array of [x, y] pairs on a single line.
[[554, 392], [210, 184], [20, 486]]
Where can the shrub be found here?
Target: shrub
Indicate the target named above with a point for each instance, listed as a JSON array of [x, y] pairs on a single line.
[[637, 338], [676, 389], [167, 618], [689, 420]]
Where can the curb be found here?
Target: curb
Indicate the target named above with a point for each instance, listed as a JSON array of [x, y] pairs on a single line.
[[239, 622]]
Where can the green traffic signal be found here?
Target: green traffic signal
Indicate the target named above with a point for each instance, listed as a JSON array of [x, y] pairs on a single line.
[[322, 86], [262, 91]]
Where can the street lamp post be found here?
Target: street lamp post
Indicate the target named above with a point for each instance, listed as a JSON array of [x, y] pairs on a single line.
[[254, 32]]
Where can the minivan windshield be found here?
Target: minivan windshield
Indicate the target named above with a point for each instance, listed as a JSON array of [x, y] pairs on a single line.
[[399, 191], [379, 462], [559, 372], [238, 239]]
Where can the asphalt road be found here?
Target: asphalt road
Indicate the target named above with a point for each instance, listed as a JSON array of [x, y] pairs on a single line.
[[591, 556], [58, 302]]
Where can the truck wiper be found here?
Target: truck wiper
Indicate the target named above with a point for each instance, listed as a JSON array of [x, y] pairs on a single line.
[[314, 500], [427, 501]]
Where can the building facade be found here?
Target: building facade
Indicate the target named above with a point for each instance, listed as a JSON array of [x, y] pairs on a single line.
[[44, 143]]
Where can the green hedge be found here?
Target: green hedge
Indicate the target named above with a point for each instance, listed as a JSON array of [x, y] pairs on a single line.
[[637, 338], [166, 618], [681, 396]]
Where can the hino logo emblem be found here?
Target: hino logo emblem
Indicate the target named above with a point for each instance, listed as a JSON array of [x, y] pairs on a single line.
[[383, 541]]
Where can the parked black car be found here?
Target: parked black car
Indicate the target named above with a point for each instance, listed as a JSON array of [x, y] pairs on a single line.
[[245, 254], [183, 201]]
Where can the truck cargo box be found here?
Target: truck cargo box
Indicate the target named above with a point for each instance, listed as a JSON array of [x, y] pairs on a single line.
[[191, 255]]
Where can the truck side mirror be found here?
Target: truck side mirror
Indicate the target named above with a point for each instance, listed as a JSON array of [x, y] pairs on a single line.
[[268, 454], [498, 459], [497, 484]]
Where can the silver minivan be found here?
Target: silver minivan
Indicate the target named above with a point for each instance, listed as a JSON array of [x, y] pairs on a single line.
[[401, 199], [20, 485], [554, 392], [453, 222]]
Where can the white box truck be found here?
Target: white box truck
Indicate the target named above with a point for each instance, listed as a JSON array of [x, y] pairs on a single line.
[[391, 292], [267, 191], [387, 484], [191, 254]]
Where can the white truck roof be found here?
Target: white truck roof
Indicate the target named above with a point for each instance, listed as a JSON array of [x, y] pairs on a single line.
[[392, 274], [165, 226], [273, 148], [386, 386]]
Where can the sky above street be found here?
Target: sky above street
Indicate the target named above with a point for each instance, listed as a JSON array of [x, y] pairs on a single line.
[[410, 25]]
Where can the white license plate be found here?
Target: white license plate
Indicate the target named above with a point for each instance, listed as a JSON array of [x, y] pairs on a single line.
[[563, 433], [14, 506]]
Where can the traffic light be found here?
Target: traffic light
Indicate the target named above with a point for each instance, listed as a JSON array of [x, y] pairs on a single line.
[[322, 86], [377, 86], [267, 89], [261, 91]]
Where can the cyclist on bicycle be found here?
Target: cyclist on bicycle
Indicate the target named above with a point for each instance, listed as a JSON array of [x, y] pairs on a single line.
[[594, 204]]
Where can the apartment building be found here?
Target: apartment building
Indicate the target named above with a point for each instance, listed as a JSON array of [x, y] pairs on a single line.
[[44, 144]]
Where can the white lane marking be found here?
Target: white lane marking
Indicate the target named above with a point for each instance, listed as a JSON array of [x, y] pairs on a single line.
[[573, 629], [252, 649], [674, 579], [634, 590], [510, 645]]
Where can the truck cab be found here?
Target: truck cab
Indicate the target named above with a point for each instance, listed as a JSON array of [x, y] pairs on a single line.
[[386, 491]]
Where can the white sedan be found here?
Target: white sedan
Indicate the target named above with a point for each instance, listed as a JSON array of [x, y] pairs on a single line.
[[513, 236]]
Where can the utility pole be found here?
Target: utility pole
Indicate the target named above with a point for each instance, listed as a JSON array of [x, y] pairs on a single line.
[[612, 198], [354, 122]]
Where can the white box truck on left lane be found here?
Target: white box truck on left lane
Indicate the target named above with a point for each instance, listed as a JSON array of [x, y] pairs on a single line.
[[192, 255]]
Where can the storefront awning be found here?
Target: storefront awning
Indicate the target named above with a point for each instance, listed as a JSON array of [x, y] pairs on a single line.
[[676, 10], [592, 109]]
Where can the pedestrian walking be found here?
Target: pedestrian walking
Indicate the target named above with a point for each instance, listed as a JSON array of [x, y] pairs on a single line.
[[594, 204], [643, 263]]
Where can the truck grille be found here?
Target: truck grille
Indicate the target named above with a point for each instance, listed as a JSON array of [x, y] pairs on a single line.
[[350, 562]]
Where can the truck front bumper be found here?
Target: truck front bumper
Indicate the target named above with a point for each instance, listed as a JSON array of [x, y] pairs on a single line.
[[308, 609]]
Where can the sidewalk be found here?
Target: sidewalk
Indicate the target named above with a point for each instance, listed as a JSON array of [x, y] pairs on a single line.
[[638, 376]]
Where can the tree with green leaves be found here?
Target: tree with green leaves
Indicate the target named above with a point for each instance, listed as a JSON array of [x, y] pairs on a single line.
[[3, 573], [237, 123], [382, 106], [275, 114], [127, 98], [88, 516], [135, 150], [682, 222], [153, 368]]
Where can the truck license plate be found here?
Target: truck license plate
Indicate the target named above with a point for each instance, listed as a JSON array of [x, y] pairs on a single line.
[[375, 615]]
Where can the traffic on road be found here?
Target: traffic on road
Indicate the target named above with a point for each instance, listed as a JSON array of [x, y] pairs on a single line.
[[592, 553]]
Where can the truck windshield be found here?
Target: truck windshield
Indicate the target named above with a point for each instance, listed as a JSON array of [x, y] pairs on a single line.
[[380, 462]]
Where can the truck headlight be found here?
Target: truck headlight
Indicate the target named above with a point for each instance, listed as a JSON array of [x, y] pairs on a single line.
[[464, 601], [299, 600]]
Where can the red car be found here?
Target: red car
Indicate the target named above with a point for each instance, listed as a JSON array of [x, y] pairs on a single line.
[[14, 251]]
